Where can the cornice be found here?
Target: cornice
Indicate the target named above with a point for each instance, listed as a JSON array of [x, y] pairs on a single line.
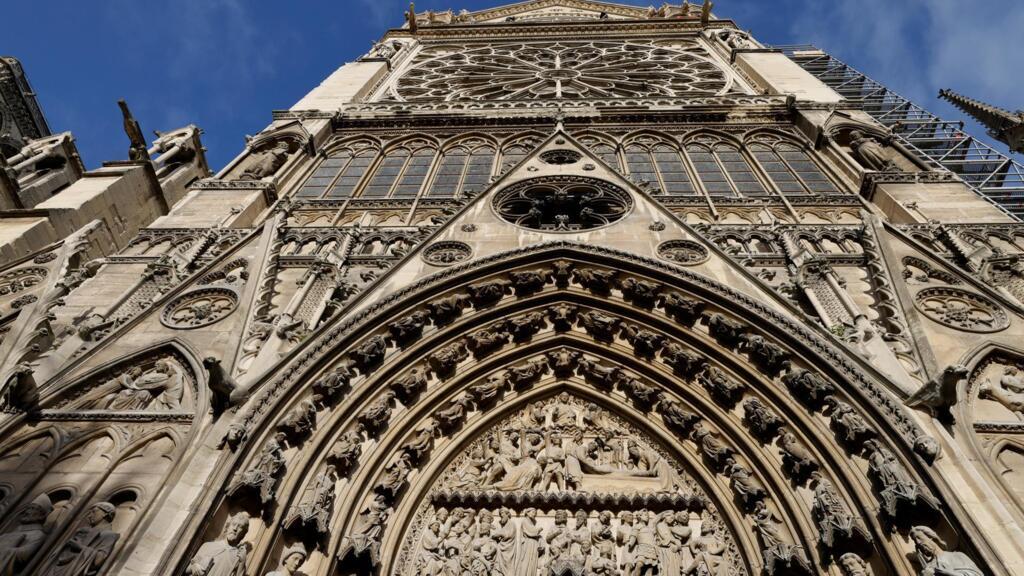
[[520, 30]]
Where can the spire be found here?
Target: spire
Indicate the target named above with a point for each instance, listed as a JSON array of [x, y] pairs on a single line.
[[1003, 125]]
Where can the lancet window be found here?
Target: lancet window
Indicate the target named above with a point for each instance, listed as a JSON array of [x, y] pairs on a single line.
[[512, 154], [401, 173], [660, 164], [722, 168], [339, 174], [464, 168], [790, 168], [603, 150]]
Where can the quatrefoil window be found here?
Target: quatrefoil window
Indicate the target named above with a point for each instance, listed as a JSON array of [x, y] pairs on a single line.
[[562, 203]]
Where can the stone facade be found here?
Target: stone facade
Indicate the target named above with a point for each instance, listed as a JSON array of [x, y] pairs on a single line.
[[561, 287]]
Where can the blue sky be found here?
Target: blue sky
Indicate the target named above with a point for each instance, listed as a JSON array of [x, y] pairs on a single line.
[[226, 64]]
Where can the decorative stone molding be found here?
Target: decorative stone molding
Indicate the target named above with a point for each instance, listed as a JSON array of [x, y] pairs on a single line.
[[961, 310], [683, 252], [199, 308], [447, 252]]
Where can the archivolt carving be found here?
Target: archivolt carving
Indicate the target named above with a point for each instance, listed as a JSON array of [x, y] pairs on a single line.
[[389, 475]]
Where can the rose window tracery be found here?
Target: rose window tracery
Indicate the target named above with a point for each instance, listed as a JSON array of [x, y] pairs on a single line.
[[961, 310], [561, 70], [562, 203]]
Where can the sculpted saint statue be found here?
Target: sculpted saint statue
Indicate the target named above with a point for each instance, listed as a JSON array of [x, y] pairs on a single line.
[[159, 388], [224, 557], [19, 545], [292, 558], [85, 553], [870, 152], [935, 560], [264, 472]]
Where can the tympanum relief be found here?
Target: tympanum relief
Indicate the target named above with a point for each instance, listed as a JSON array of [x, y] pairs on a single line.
[[565, 487]]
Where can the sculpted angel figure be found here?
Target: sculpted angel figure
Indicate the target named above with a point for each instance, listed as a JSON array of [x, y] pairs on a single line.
[[160, 388]]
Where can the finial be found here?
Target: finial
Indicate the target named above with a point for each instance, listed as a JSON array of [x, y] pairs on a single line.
[[137, 150], [411, 17], [705, 12]]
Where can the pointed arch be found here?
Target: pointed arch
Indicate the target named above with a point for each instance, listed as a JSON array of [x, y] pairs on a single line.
[[346, 162], [465, 166], [789, 166], [517, 147]]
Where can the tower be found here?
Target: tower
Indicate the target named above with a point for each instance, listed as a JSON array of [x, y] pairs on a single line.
[[557, 287]]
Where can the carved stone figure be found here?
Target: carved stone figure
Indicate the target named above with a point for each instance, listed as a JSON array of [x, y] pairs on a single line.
[[727, 331], [736, 39], [683, 361], [643, 546], [300, 420], [370, 353], [346, 451], [603, 376], [760, 419], [853, 565], [563, 361], [334, 382], [524, 327], [377, 415], [445, 310], [526, 282], [526, 374], [848, 424], [600, 326], [839, 528], [780, 554], [646, 343], [18, 546], [899, 491], [490, 390], [1009, 391], [266, 162], [561, 271], [644, 396], [408, 329], [746, 487], [363, 542], [317, 504], [707, 551], [483, 342], [263, 474], [451, 416], [291, 559], [224, 389], [224, 557], [871, 153], [713, 448], [562, 316], [721, 386], [485, 294], [643, 293], [808, 387], [684, 310], [447, 358], [676, 417], [769, 356], [393, 480], [160, 389], [597, 281], [935, 560], [796, 458], [408, 386]]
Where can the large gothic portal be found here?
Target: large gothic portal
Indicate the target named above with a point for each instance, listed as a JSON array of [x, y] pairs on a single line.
[[559, 288]]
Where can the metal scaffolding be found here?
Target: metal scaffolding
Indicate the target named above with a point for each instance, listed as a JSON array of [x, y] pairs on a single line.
[[937, 142]]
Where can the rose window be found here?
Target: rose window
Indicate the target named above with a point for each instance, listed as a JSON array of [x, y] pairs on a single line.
[[562, 203], [561, 70]]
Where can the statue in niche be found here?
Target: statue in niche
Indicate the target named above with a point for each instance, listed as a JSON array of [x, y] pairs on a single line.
[[727, 331], [525, 374], [364, 540], [300, 420], [849, 425], [707, 550], [558, 541], [483, 342], [504, 535], [761, 420], [160, 389], [552, 459], [263, 474], [670, 557], [683, 361], [431, 560], [602, 532], [748, 489], [872, 153], [561, 271], [605, 377], [445, 360], [409, 386], [377, 415], [796, 458], [935, 560], [721, 386], [370, 353], [394, 478], [835, 522], [346, 451], [266, 162], [224, 557], [408, 329], [291, 559], [715, 450], [676, 417], [644, 396], [645, 342], [421, 442], [451, 416], [89, 547], [776, 548], [622, 535], [332, 383], [19, 545], [769, 356], [483, 557], [808, 387], [1009, 391], [897, 486], [853, 565]]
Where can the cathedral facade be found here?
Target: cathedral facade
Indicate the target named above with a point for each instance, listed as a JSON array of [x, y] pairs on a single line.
[[556, 288]]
